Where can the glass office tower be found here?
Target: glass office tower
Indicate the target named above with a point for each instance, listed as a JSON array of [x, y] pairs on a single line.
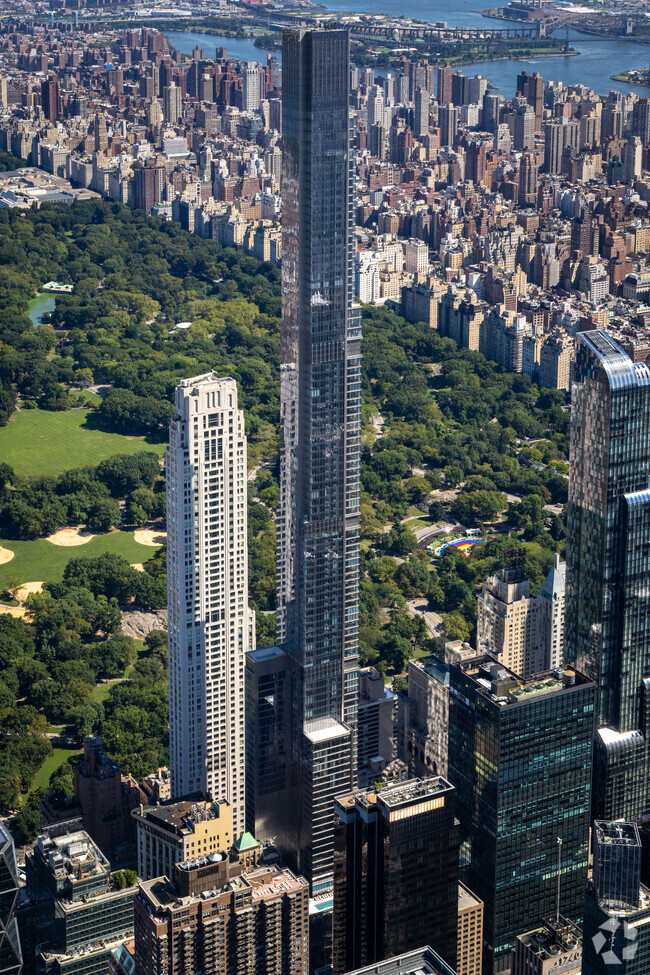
[[318, 520], [11, 959], [608, 562], [520, 757]]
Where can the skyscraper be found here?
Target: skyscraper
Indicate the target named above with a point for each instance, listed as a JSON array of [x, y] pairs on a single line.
[[608, 563], [51, 99], [520, 757], [10, 950], [318, 520], [210, 625], [172, 103], [395, 873], [617, 905]]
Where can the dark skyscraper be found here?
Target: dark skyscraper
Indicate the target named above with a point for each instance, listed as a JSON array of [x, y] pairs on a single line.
[[318, 520], [51, 99], [520, 757], [608, 563], [617, 905], [395, 873]]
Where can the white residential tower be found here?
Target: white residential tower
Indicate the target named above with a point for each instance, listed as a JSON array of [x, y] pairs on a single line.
[[210, 626]]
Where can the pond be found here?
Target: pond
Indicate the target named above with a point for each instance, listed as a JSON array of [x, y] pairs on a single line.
[[42, 305]]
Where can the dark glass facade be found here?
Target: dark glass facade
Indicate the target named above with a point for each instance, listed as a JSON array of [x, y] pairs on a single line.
[[318, 520], [616, 942], [395, 873], [608, 556], [11, 960], [520, 757]]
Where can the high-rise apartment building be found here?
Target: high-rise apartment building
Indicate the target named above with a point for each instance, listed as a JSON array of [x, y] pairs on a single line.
[[524, 129], [608, 563], [252, 87], [421, 113], [216, 919], [318, 519], [51, 99], [395, 873], [210, 625], [520, 757], [524, 632], [444, 83], [172, 104]]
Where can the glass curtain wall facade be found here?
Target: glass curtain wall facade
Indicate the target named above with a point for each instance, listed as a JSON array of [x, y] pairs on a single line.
[[318, 519], [520, 757], [608, 550]]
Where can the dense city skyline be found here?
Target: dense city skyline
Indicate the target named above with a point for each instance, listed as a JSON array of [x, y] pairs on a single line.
[[353, 674]]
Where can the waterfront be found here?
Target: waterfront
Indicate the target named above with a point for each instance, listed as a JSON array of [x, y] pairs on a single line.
[[599, 57]]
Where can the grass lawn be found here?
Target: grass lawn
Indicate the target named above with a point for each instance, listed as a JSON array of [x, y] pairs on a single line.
[[101, 691], [51, 764], [40, 442], [41, 561]]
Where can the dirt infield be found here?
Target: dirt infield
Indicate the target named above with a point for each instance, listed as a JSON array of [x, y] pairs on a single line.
[[6, 555], [69, 537], [144, 536]]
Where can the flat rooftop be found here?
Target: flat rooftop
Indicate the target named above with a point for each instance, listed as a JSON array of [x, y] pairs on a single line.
[[467, 901], [182, 816], [617, 834], [552, 939], [506, 688], [267, 884], [394, 796], [325, 729]]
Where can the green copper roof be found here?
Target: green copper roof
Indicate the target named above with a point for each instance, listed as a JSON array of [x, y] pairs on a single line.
[[245, 842]]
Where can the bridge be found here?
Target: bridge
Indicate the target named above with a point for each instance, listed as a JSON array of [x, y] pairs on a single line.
[[404, 32], [450, 34]]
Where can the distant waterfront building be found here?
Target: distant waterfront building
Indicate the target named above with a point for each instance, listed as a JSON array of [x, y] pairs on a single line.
[[395, 872], [520, 757], [210, 625], [608, 563]]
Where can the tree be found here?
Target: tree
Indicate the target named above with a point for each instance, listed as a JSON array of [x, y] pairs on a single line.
[[62, 781], [401, 541], [455, 627], [104, 514], [124, 878]]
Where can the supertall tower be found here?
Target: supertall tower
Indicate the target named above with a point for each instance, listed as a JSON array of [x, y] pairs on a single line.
[[210, 625], [318, 520], [608, 564]]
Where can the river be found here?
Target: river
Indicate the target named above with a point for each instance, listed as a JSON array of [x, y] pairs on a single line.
[[599, 57]]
